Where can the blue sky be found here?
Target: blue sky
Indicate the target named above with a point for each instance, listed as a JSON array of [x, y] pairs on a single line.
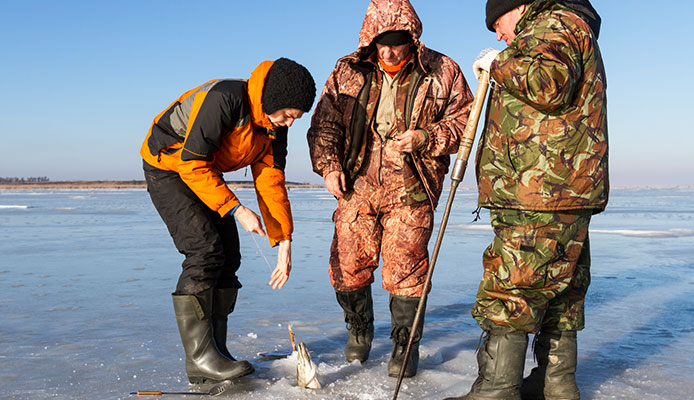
[[81, 81]]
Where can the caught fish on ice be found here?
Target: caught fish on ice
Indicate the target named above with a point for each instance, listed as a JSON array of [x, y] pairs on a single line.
[[306, 370]]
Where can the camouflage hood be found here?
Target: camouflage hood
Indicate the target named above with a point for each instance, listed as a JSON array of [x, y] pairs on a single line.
[[585, 10], [388, 15], [582, 8]]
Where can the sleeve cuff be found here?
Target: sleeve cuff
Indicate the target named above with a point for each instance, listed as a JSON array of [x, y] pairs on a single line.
[[275, 241], [231, 212], [425, 136], [228, 207], [332, 167]]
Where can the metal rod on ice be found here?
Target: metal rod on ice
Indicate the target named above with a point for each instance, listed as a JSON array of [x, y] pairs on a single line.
[[456, 177], [216, 390]]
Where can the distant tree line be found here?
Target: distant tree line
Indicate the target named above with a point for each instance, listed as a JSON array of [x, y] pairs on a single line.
[[21, 180]]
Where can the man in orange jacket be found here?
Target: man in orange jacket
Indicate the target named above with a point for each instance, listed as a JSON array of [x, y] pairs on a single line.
[[220, 126]]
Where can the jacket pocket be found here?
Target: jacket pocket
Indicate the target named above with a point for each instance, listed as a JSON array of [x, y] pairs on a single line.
[[432, 110]]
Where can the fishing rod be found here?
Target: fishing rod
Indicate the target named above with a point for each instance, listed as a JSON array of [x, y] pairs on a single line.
[[456, 177], [146, 393], [216, 390]]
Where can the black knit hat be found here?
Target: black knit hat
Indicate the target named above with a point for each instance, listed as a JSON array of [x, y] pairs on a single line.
[[288, 85], [393, 38], [497, 8]]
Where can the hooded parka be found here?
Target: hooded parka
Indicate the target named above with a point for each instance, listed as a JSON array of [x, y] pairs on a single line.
[[436, 99]]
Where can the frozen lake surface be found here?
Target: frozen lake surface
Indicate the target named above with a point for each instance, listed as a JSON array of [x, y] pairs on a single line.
[[86, 278]]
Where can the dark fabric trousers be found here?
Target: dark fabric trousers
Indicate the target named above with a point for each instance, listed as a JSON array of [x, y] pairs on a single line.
[[209, 242]]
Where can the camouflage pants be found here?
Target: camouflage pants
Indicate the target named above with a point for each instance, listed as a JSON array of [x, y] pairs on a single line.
[[368, 224], [536, 271]]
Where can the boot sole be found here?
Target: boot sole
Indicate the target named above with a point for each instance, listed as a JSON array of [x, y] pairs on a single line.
[[360, 359], [359, 356], [397, 374], [198, 380], [394, 374]]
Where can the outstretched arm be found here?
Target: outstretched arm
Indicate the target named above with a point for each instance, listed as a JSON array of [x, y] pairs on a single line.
[[284, 265]]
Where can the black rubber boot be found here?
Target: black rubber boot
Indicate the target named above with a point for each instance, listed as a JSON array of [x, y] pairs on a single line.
[[554, 378], [204, 362], [223, 302], [359, 316], [402, 312], [500, 360]]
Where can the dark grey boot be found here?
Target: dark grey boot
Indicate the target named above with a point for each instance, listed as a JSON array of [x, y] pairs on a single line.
[[402, 312], [501, 360], [223, 302], [554, 378], [204, 362], [359, 316], [534, 384]]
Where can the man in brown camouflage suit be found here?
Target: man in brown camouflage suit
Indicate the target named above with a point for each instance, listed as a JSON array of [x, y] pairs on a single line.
[[542, 172], [388, 119]]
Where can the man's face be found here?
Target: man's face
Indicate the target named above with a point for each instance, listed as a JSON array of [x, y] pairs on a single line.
[[506, 24], [285, 117], [393, 55]]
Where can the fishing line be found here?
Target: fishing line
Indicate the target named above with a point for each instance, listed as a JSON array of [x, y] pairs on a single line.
[[261, 251]]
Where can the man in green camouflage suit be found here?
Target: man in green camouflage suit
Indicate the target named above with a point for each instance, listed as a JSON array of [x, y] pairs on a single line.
[[542, 172]]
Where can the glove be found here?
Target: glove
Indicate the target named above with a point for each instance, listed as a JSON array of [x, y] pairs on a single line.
[[483, 62]]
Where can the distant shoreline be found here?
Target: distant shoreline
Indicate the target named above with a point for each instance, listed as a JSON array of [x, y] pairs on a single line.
[[140, 184], [131, 184]]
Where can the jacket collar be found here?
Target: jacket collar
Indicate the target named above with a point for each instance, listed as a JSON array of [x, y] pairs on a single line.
[[256, 83], [582, 8]]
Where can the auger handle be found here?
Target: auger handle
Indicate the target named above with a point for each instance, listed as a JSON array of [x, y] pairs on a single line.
[[456, 176], [468, 138]]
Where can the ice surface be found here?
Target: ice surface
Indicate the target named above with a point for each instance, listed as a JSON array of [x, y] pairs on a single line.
[[86, 277]]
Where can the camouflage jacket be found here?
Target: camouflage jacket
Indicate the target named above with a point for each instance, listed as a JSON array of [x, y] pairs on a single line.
[[432, 95], [544, 145]]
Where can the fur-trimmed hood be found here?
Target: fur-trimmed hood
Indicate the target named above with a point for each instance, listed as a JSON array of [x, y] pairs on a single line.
[[388, 15]]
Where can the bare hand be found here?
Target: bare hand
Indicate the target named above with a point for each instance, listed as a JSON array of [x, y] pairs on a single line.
[[335, 183], [409, 141], [249, 220], [284, 265]]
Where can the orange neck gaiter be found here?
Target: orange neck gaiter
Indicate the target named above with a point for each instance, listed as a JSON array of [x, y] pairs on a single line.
[[393, 70]]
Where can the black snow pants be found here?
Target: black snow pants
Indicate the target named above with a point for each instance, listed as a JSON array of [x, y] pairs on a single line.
[[209, 242]]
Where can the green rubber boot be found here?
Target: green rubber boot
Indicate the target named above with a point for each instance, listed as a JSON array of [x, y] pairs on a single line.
[[554, 378], [500, 360], [223, 302], [204, 362]]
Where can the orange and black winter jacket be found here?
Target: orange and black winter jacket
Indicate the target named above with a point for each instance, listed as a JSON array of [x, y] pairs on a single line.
[[219, 127]]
